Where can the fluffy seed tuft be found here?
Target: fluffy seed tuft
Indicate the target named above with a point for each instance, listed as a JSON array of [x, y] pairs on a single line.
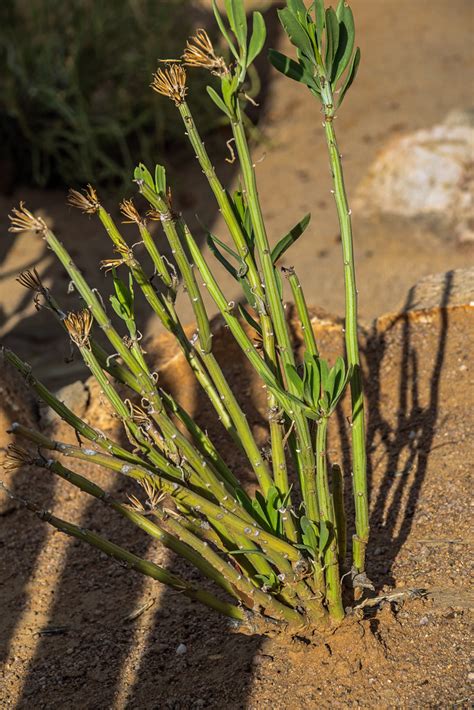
[[31, 280], [171, 82], [16, 457], [79, 325], [199, 52], [87, 200], [22, 220], [130, 212]]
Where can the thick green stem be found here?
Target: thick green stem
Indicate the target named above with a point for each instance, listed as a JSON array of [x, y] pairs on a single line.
[[339, 512], [306, 464], [139, 520], [352, 346], [333, 582], [171, 225], [145, 567], [280, 472], [303, 313]]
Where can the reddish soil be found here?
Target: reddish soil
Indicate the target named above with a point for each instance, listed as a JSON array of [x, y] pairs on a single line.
[[69, 621]]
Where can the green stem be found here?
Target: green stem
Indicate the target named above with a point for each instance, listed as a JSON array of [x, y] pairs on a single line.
[[171, 224], [66, 414], [352, 346], [303, 313], [280, 472], [145, 567], [333, 582], [138, 519], [306, 463], [339, 512]]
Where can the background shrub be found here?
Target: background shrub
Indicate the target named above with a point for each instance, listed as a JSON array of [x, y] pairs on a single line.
[[74, 76]]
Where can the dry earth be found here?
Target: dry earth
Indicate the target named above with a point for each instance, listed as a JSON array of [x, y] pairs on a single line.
[[79, 630], [409, 51]]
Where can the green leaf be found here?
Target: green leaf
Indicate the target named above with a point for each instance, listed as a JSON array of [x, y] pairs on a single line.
[[211, 242], [122, 302], [160, 179], [323, 373], [332, 38], [295, 379], [290, 238], [257, 40], [222, 27], [259, 505], [294, 70], [316, 383], [248, 318], [238, 21], [319, 15], [324, 536], [297, 7], [270, 581], [142, 173], [350, 76], [310, 535], [291, 69], [310, 372], [249, 295], [346, 40], [333, 372], [296, 33], [272, 505], [218, 101]]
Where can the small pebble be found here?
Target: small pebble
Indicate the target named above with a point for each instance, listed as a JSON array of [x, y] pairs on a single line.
[[423, 621], [181, 650]]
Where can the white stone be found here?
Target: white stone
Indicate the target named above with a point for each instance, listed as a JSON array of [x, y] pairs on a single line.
[[428, 173]]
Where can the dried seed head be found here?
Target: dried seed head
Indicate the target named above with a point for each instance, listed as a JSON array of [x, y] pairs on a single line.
[[31, 280], [87, 200], [171, 82], [130, 212], [199, 52], [78, 325], [16, 457], [139, 416], [155, 496], [136, 504], [124, 255], [22, 220]]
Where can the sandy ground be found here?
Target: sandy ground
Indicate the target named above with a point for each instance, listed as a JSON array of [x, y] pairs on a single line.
[[417, 60], [79, 630]]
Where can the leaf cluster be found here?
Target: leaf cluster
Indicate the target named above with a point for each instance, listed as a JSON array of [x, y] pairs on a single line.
[[324, 41]]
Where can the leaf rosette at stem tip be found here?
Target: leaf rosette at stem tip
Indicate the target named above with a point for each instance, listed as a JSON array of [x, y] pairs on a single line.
[[324, 39]]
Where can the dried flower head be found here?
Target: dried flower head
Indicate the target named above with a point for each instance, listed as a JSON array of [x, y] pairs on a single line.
[[78, 325], [139, 416], [124, 255], [31, 280], [16, 457], [199, 52], [154, 497], [171, 82], [130, 212], [22, 220], [87, 200]]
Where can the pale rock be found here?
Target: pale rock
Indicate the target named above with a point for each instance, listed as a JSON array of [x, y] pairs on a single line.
[[427, 174]]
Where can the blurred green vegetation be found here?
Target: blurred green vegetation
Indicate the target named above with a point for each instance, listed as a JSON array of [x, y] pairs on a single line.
[[75, 102]]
